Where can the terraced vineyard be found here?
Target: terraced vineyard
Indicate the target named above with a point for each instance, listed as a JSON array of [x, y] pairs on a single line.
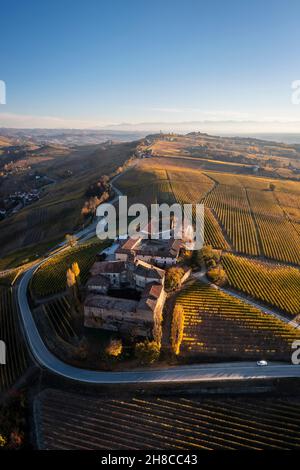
[[17, 358], [58, 313], [50, 278], [163, 422], [278, 286], [219, 325]]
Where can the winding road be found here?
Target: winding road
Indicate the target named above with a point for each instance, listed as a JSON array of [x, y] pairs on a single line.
[[187, 373], [190, 373]]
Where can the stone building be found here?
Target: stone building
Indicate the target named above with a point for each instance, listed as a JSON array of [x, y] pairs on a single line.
[[134, 273], [126, 316], [163, 253]]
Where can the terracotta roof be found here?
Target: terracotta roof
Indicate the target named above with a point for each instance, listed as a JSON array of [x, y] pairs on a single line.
[[130, 243], [152, 290], [169, 248], [150, 296]]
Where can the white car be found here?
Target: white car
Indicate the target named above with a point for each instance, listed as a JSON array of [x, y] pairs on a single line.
[[261, 363]]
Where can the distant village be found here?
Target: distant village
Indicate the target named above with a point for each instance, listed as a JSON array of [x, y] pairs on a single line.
[[14, 202]]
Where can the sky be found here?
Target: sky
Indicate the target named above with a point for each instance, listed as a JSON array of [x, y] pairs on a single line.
[[93, 63]]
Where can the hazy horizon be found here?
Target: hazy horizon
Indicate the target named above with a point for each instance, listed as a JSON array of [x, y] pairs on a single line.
[[117, 63], [131, 133]]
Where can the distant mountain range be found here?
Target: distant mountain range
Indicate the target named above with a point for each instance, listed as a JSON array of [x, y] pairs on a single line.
[[288, 132], [70, 137], [213, 127]]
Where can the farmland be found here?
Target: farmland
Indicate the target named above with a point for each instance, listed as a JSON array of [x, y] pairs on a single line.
[[9, 277], [213, 234], [253, 219], [58, 314], [153, 181], [232, 209], [229, 154], [59, 209], [50, 278], [72, 421], [274, 285], [218, 325], [242, 213], [279, 239], [10, 333]]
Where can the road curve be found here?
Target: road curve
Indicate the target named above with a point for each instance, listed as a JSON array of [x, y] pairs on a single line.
[[188, 373], [191, 373]]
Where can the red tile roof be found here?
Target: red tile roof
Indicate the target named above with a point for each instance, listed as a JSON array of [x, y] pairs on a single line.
[[152, 290]]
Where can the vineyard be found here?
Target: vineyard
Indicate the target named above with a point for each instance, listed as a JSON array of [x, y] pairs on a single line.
[[50, 278], [58, 314], [68, 422], [217, 324], [256, 220], [16, 357], [241, 213], [232, 209], [156, 183], [241, 181], [190, 191], [279, 239], [277, 285], [7, 278], [170, 184], [213, 234], [290, 203]]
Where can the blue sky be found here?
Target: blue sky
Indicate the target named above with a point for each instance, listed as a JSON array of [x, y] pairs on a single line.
[[91, 62]]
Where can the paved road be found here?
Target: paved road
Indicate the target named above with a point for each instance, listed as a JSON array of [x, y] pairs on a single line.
[[90, 231], [189, 373], [194, 373]]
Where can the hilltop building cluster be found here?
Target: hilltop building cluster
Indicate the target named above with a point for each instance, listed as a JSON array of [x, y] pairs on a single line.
[[137, 267], [102, 309]]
